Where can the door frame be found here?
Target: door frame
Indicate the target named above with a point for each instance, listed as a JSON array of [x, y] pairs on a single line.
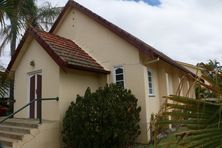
[[30, 74]]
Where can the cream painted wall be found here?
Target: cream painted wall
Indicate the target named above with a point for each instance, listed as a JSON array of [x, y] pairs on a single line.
[[110, 51], [159, 70], [46, 136], [75, 82], [135, 77], [174, 74], [50, 80], [153, 102]]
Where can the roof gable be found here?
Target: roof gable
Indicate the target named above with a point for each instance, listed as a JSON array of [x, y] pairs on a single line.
[[63, 51], [139, 44]]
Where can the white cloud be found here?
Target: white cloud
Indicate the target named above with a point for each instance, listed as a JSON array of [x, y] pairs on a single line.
[[185, 30]]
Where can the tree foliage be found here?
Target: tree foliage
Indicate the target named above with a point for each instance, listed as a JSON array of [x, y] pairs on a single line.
[[198, 122], [106, 118], [209, 72], [20, 15], [6, 9], [4, 84]]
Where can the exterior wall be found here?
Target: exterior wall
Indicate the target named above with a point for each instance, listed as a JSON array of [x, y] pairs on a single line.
[[135, 77], [50, 81], [73, 83], [109, 50], [174, 74], [153, 102], [161, 87], [46, 136]]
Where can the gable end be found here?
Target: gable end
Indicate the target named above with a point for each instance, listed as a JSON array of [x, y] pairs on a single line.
[[139, 44]]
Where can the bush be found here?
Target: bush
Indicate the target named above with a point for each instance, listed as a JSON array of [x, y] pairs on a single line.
[[108, 117]]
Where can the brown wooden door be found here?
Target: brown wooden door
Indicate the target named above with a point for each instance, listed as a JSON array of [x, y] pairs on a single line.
[[32, 97], [35, 92], [39, 94]]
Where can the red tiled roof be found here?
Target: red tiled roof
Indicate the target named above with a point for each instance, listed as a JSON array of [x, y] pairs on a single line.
[[139, 44], [65, 52], [69, 51]]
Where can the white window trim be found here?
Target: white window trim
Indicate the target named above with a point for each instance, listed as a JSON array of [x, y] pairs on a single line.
[[152, 82], [114, 74]]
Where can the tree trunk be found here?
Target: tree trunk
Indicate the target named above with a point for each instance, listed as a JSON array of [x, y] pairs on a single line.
[[13, 43]]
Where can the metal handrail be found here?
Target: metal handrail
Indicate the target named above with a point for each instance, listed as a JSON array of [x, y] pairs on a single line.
[[40, 108]]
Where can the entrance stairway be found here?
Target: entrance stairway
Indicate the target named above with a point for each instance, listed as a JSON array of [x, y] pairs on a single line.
[[22, 133]]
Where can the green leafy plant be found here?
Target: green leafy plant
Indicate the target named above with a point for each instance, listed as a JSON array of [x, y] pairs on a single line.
[[108, 117], [198, 122]]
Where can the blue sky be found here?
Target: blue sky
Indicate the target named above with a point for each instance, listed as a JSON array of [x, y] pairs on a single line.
[[150, 2]]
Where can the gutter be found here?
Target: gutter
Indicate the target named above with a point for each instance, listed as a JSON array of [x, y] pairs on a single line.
[[153, 61]]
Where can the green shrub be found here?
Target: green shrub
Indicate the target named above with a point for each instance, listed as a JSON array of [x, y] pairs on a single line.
[[108, 117]]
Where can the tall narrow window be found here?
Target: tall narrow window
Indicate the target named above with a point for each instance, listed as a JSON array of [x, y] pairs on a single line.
[[119, 77], [188, 88], [180, 87], [150, 83], [169, 84]]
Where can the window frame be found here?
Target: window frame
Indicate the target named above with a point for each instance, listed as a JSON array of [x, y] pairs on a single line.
[[114, 75], [181, 85], [149, 70]]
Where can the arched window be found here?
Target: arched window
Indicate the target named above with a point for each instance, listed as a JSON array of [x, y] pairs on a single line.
[[150, 82], [119, 76]]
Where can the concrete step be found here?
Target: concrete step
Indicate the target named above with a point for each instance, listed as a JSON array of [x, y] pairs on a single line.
[[6, 146], [16, 132], [21, 123], [12, 135], [10, 128], [7, 142]]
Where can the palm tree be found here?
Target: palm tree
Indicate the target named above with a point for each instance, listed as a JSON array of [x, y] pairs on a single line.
[[26, 14], [4, 84], [210, 73], [6, 9], [198, 122]]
